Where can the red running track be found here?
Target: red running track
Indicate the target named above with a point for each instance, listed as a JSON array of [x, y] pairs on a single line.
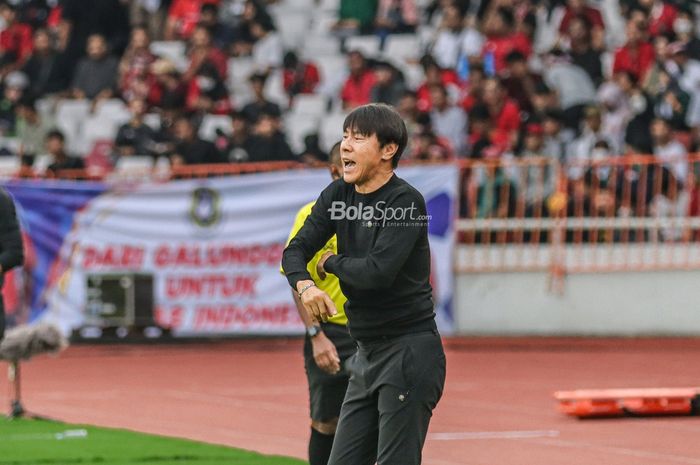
[[497, 408]]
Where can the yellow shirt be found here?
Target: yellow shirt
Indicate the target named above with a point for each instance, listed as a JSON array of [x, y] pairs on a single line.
[[330, 285]]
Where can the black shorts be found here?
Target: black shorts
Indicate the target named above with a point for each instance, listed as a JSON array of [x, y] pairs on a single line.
[[327, 391]]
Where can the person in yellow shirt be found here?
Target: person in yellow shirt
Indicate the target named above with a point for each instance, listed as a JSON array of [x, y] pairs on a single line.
[[327, 345]]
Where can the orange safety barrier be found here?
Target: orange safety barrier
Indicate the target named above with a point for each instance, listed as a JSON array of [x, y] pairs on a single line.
[[593, 403], [623, 213]]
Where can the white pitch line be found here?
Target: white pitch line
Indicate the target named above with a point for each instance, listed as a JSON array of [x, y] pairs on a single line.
[[477, 435]]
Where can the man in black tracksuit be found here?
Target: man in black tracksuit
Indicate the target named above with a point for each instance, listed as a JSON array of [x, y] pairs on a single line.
[[11, 252], [383, 264]]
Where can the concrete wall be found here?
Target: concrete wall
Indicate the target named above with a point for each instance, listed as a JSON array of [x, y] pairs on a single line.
[[624, 303]]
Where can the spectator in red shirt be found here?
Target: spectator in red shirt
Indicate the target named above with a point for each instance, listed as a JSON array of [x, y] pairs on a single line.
[[15, 41], [576, 8], [661, 16], [637, 55], [298, 77], [504, 112], [135, 79], [203, 51], [502, 39], [358, 87], [434, 75], [183, 17]]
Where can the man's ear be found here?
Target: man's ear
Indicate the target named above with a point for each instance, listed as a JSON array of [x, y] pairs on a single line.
[[389, 151]]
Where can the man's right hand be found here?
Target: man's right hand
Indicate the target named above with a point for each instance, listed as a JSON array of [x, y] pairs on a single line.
[[317, 303], [325, 354]]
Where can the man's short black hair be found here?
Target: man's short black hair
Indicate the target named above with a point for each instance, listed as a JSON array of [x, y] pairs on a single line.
[[380, 120], [514, 57], [507, 16], [55, 134]]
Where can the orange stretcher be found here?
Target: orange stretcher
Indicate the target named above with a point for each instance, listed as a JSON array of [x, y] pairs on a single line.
[[593, 403]]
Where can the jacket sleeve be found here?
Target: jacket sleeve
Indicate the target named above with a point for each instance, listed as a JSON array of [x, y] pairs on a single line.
[[313, 235], [11, 250]]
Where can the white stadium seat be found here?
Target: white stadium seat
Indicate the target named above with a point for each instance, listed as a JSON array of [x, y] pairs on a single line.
[[133, 167], [297, 128], [9, 166], [292, 26], [95, 129], [318, 46], [331, 130], [114, 110], [367, 45], [403, 47], [70, 115], [310, 105], [274, 89]]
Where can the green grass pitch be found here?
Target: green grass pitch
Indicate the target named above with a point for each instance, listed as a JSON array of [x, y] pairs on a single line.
[[31, 442]]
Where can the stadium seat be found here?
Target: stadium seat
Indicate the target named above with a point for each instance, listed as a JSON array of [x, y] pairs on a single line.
[[114, 110], [45, 107], [293, 25], [297, 128], [329, 5], [403, 47], [313, 105], [210, 124], [9, 166], [69, 117], [274, 89], [322, 22], [239, 70], [331, 130], [95, 129], [413, 75], [10, 144], [367, 45], [41, 163], [333, 71], [133, 167], [174, 51], [318, 46], [285, 5]]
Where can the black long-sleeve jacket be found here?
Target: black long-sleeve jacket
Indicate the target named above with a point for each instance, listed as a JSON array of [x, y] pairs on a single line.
[[383, 260], [11, 250]]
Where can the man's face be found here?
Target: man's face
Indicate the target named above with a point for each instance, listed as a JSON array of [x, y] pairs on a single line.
[[356, 63], [659, 132], [200, 37], [54, 145], [139, 38], [361, 156], [96, 48], [137, 108], [42, 42], [438, 97], [183, 130], [492, 93]]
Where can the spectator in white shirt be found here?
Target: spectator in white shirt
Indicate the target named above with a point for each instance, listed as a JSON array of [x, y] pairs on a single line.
[[447, 120], [668, 150]]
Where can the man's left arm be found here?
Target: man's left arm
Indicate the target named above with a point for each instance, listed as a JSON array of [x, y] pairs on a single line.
[[11, 250], [380, 267]]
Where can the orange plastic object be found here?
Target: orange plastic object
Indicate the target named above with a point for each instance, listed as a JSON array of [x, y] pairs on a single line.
[[591, 403]]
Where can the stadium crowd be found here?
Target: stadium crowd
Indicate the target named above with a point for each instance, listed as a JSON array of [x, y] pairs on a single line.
[[216, 81]]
